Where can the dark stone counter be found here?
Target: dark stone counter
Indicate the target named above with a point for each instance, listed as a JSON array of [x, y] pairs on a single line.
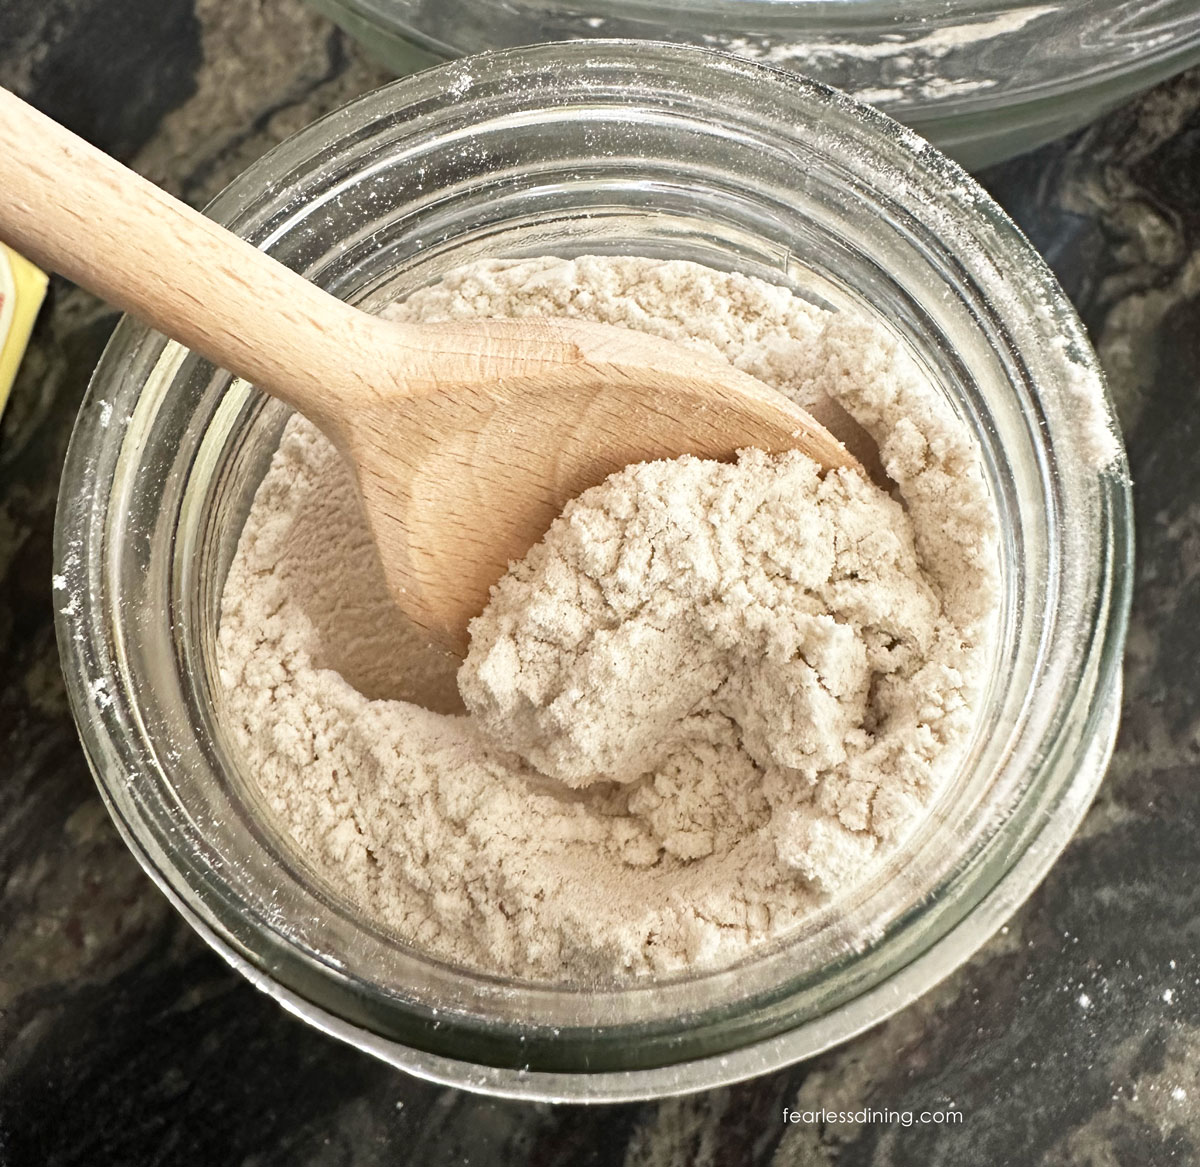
[[1073, 1038]]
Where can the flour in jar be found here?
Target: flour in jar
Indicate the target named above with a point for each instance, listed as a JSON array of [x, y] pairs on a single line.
[[706, 704]]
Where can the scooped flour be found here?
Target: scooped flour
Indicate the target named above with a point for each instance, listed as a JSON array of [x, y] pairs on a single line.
[[708, 701]]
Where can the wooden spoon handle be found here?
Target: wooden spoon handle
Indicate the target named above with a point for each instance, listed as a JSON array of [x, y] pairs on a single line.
[[74, 210]]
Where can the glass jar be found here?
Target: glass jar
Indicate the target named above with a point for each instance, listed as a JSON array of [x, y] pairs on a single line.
[[981, 79], [631, 148]]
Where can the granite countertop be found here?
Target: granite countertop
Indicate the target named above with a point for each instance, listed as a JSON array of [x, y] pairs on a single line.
[[1072, 1038]]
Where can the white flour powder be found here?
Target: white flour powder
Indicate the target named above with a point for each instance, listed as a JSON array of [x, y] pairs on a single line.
[[710, 699]]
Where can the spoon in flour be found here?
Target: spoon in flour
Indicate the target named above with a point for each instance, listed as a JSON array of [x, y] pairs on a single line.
[[466, 438]]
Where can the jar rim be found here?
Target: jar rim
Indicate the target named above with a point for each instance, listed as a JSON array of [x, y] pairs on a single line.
[[972, 228]]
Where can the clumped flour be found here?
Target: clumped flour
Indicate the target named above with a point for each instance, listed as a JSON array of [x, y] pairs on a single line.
[[711, 698]]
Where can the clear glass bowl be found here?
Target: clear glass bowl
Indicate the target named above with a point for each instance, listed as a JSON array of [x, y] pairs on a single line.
[[981, 79], [621, 148]]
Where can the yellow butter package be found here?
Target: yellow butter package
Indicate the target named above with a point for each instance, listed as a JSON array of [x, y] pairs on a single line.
[[22, 287]]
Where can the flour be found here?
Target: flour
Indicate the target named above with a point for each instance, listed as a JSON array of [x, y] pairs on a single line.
[[710, 700]]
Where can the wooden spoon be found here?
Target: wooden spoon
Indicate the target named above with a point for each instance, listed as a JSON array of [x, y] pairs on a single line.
[[467, 439]]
